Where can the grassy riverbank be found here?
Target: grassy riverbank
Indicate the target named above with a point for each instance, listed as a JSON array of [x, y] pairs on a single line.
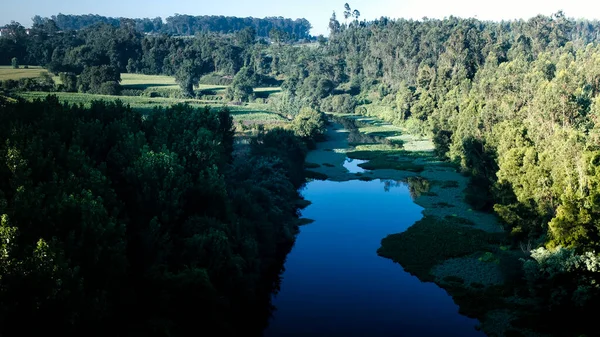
[[462, 250]]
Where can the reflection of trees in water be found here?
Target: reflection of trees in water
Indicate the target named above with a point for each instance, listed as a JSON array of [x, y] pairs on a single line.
[[269, 285], [418, 186], [389, 184]]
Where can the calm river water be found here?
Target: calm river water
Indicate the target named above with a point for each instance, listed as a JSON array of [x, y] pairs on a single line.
[[334, 282]]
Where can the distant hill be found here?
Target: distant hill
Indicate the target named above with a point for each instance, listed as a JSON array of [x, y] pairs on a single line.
[[189, 25]]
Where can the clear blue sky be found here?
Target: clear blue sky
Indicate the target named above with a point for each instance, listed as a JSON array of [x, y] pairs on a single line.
[[316, 11]]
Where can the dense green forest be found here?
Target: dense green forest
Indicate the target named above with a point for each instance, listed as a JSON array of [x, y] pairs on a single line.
[[298, 29], [513, 104], [146, 225]]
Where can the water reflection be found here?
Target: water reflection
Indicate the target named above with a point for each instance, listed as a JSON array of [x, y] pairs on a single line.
[[352, 165], [389, 184], [418, 186]]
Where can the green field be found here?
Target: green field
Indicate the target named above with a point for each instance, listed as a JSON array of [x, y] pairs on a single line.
[[8, 73], [142, 82], [249, 114]]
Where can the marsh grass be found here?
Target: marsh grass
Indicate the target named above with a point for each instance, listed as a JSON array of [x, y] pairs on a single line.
[[443, 204], [385, 159], [450, 184], [459, 220], [431, 241]]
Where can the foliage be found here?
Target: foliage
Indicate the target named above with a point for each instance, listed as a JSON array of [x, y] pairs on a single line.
[[184, 24], [14, 63], [563, 278], [310, 125], [443, 238], [102, 80], [339, 104], [147, 224], [241, 88]]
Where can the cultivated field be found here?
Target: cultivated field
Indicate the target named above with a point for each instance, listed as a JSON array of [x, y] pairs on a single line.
[[167, 93], [8, 73]]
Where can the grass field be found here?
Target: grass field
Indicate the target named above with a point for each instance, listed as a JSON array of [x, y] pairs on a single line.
[[249, 114], [246, 116], [142, 82], [8, 73]]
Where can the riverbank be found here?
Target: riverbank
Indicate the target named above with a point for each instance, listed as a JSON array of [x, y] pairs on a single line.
[[459, 249]]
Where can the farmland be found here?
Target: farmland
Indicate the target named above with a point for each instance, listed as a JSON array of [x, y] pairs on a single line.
[[8, 73], [148, 87]]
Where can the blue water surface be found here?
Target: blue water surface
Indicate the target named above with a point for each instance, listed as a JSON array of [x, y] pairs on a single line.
[[352, 165], [334, 282]]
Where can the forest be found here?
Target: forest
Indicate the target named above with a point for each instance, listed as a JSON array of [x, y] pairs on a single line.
[[186, 25], [169, 217]]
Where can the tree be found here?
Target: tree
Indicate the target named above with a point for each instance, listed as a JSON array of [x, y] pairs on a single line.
[[310, 125], [347, 11], [15, 63], [102, 80], [334, 25], [243, 84]]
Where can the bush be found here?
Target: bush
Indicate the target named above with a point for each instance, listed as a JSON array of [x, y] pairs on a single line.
[[132, 92], [309, 125], [42, 83], [241, 88], [109, 88], [164, 92], [93, 80], [339, 103], [69, 81], [562, 276], [15, 63], [286, 104]]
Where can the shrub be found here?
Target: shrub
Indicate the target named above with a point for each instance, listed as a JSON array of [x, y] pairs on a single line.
[[109, 88], [93, 79], [339, 103], [241, 88], [562, 276], [132, 92], [310, 125], [69, 81], [15, 63]]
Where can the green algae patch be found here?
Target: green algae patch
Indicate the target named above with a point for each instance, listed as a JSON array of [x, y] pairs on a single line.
[[431, 241], [385, 159]]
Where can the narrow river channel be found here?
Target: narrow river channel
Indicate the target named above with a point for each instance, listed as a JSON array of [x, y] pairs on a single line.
[[334, 282]]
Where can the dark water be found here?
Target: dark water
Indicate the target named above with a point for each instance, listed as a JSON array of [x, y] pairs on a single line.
[[334, 282]]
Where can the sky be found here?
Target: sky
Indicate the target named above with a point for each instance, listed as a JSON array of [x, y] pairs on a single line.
[[317, 12]]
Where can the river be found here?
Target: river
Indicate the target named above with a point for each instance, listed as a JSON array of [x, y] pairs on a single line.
[[335, 284]]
